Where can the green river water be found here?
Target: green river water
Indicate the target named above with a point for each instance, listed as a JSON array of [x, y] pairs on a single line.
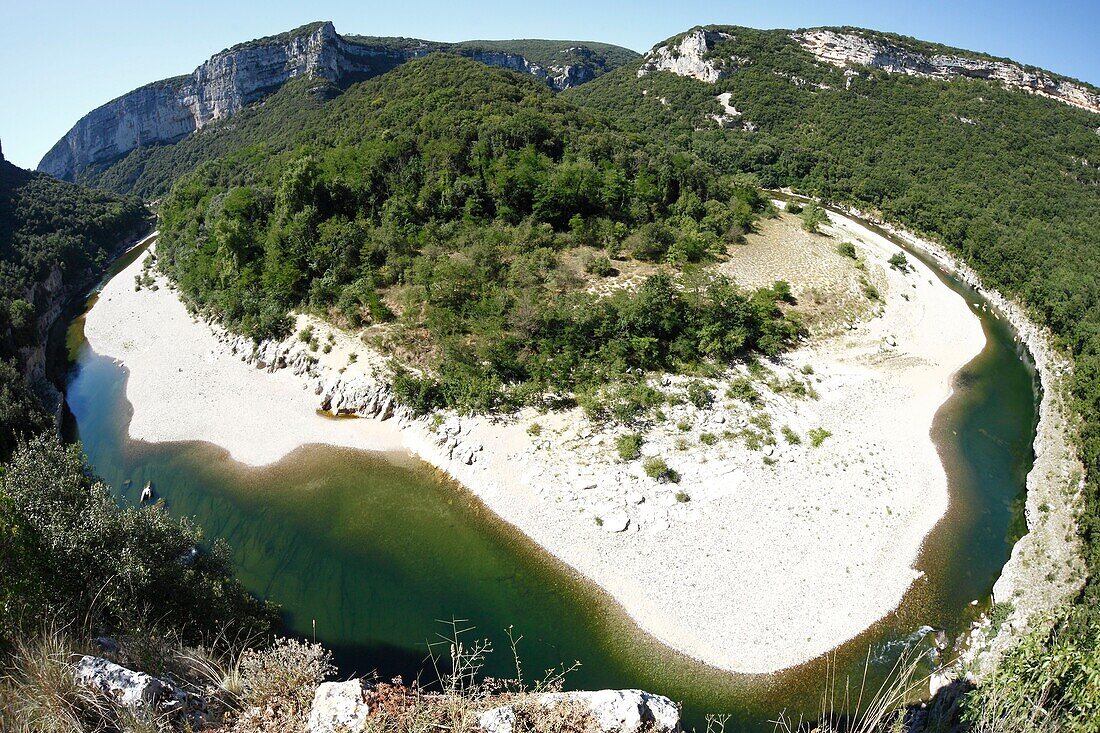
[[367, 552]]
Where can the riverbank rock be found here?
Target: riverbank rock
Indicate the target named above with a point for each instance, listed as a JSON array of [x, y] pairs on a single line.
[[340, 706], [608, 711], [142, 693]]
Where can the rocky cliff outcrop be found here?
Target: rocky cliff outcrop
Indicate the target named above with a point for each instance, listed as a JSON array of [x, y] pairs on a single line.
[[844, 49], [167, 111], [558, 76], [688, 57]]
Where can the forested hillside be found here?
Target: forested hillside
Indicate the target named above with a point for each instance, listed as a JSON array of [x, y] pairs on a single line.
[[69, 556], [474, 223], [468, 214], [1007, 180]]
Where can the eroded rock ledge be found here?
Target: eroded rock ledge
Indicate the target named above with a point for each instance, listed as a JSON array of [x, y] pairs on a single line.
[[845, 49]]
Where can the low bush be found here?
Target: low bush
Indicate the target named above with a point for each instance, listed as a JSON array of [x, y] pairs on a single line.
[[599, 265], [742, 389], [899, 262], [629, 446], [279, 681], [813, 217], [700, 394], [818, 436], [656, 468]]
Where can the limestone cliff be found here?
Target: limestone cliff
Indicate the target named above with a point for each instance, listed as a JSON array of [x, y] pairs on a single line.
[[167, 111], [853, 49], [688, 56]]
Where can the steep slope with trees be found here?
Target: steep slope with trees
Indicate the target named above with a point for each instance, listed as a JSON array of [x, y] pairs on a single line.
[[167, 111], [68, 554]]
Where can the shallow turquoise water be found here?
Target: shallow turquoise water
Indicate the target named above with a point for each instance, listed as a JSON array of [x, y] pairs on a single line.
[[368, 552]]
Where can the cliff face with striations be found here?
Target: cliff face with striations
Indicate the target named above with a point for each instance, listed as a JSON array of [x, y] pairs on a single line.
[[689, 56], [845, 49], [167, 111]]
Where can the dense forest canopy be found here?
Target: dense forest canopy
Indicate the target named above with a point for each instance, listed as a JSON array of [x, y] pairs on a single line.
[[450, 198]]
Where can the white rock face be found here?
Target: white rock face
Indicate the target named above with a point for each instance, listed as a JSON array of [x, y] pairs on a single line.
[[729, 113], [169, 110], [612, 711], [687, 57], [339, 707], [138, 691], [558, 76], [843, 49]]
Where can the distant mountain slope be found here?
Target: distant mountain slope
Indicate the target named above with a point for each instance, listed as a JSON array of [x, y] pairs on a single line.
[[167, 111], [983, 163]]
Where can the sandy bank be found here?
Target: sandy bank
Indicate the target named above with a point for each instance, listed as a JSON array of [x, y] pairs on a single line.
[[1045, 569], [762, 556]]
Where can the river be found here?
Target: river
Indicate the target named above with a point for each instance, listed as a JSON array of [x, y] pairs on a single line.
[[368, 553]]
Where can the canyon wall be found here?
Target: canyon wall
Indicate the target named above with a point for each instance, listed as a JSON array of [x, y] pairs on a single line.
[[844, 49], [167, 111]]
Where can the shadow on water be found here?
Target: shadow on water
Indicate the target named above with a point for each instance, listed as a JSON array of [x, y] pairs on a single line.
[[367, 552]]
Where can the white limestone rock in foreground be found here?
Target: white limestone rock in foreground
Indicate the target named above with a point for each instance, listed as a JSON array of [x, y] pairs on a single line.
[[137, 691], [612, 711], [339, 707]]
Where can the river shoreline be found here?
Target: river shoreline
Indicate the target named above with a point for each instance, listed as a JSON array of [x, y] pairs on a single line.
[[541, 487], [1045, 570]]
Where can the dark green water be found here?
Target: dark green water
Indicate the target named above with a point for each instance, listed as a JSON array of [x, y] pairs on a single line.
[[367, 552]]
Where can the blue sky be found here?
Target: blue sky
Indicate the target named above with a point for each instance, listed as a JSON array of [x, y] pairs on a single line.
[[62, 59]]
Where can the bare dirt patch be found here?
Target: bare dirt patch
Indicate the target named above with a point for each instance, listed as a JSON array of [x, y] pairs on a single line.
[[829, 286]]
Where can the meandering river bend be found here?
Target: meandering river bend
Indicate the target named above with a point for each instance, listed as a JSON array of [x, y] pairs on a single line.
[[368, 552]]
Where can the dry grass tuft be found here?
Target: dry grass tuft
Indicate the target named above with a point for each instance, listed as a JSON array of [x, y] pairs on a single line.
[[861, 710]]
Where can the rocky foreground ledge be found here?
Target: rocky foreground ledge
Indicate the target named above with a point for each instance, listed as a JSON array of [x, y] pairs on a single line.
[[351, 706]]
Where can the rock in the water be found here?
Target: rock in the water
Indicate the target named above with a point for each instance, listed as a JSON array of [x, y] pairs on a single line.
[[609, 711], [138, 691], [340, 707]]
